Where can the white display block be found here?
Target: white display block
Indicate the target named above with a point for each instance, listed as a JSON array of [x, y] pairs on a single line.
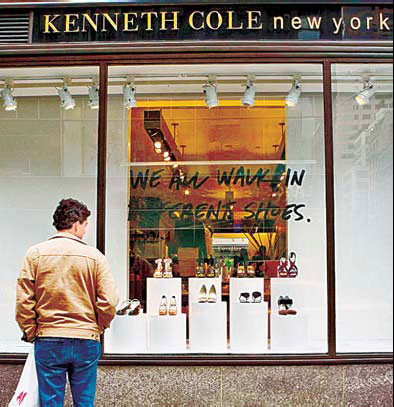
[[195, 285], [289, 333], [157, 287], [245, 285], [167, 334], [129, 334], [208, 328], [249, 328]]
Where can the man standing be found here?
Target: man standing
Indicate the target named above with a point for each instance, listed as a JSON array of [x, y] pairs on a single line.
[[66, 298]]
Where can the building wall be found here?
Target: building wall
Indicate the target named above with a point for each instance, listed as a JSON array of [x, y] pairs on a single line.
[[356, 386]]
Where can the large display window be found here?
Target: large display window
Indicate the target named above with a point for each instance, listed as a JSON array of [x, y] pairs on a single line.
[[216, 196], [363, 154], [48, 151]]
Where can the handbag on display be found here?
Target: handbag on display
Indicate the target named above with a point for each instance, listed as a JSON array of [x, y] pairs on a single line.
[[26, 394]]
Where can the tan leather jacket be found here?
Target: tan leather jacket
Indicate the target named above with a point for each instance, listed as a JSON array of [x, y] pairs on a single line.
[[65, 289]]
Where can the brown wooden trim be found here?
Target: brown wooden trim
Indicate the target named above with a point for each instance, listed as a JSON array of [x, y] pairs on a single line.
[[330, 204], [102, 159]]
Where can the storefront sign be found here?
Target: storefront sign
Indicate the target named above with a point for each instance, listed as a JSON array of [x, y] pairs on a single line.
[[214, 23]]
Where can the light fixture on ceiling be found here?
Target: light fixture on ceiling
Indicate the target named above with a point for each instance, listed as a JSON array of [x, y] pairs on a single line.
[[364, 97], [129, 93], [94, 96], [294, 95], [211, 93], [10, 104], [250, 93], [67, 101]]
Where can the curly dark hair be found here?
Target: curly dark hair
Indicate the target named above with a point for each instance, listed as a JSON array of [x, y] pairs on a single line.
[[68, 212]]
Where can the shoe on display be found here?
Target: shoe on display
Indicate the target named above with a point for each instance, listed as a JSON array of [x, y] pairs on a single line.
[[244, 298], [167, 269], [282, 268], [135, 308], [163, 310], [290, 310], [241, 272], [173, 310], [203, 298], [257, 297], [159, 269], [213, 296], [123, 309], [200, 273], [282, 306], [293, 269], [251, 272]]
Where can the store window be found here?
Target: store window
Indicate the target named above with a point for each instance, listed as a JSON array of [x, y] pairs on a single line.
[[216, 229], [47, 152], [364, 206]]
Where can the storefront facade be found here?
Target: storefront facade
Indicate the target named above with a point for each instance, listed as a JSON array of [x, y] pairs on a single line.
[[238, 159]]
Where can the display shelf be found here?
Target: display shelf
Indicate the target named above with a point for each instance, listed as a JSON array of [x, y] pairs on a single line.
[[208, 328], [157, 287], [195, 285], [128, 334], [249, 328], [289, 334], [167, 334]]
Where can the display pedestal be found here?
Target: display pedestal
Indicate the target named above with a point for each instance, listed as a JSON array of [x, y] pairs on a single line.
[[128, 334], [157, 287], [208, 328], [289, 334], [249, 328], [167, 334]]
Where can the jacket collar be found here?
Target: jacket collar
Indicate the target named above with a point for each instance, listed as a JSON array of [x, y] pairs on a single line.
[[67, 236]]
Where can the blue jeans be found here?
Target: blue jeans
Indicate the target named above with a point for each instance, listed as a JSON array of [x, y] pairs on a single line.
[[55, 357]]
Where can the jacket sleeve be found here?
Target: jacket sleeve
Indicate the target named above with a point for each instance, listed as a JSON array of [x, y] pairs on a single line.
[[25, 299], [107, 294]]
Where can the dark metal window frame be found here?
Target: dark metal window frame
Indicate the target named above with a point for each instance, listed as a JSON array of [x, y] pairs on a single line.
[[224, 55]]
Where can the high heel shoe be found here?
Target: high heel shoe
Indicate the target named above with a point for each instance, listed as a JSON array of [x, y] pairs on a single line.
[[213, 297], [293, 269], [282, 268], [290, 310], [282, 306], [163, 310], [200, 273], [203, 298], [159, 269], [251, 272], [173, 310], [244, 298], [257, 297], [167, 269], [135, 308], [241, 272], [123, 309]]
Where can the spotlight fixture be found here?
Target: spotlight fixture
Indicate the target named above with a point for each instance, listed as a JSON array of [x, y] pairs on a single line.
[[211, 93], [67, 101], [293, 97], [94, 96], [10, 104], [250, 94], [129, 93], [363, 98]]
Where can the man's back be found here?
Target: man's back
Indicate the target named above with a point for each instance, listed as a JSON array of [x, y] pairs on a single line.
[[74, 293]]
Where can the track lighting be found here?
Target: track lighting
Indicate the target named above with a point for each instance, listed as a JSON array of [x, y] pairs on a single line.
[[129, 93], [10, 104], [67, 101], [293, 97], [250, 94], [363, 98], [94, 96], [211, 93]]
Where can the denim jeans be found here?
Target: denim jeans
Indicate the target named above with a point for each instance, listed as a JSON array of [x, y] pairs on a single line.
[[55, 357]]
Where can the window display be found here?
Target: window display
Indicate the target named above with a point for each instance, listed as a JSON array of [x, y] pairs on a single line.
[[214, 187]]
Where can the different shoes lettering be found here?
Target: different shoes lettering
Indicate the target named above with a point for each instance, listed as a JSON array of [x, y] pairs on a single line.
[[288, 268], [205, 297], [285, 305], [168, 308], [255, 298]]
